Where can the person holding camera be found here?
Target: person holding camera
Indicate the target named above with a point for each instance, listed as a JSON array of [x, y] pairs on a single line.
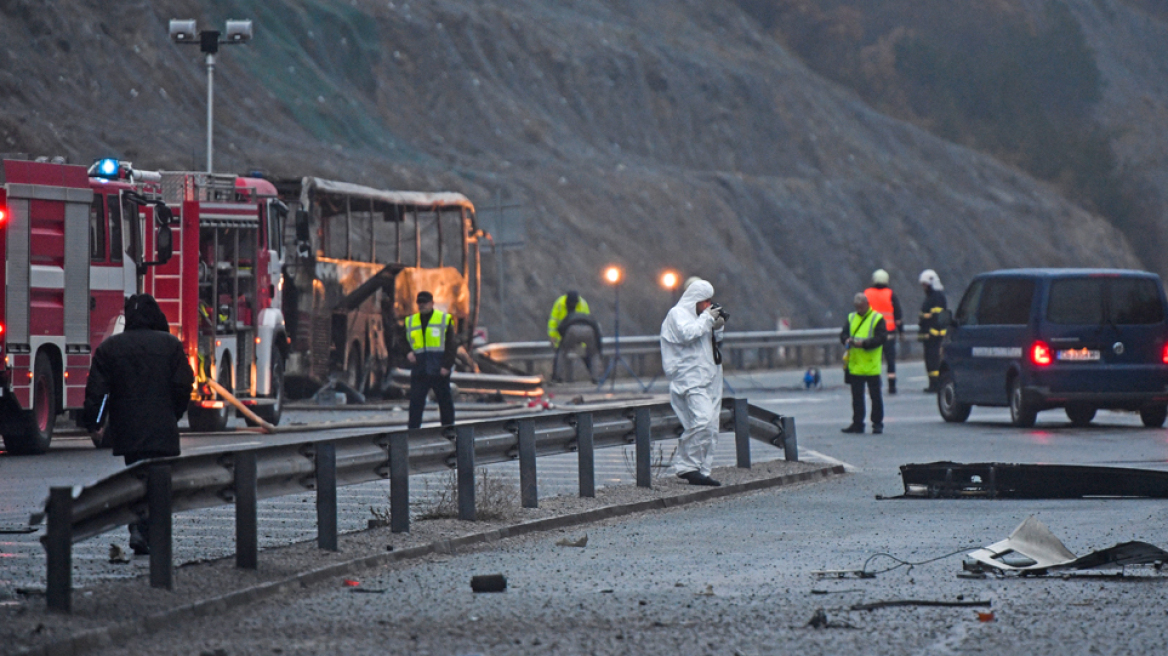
[[863, 335], [689, 354]]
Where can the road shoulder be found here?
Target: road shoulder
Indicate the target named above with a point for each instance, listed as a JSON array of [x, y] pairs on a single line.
[[113, 611]]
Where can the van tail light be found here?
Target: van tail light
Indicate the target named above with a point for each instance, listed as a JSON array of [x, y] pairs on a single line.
[[3, 215], [1041, 355], [1164, 354]]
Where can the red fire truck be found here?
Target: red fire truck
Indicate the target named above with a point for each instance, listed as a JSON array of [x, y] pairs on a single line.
[[77, 242]]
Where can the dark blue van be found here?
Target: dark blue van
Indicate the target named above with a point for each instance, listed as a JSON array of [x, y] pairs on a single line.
[[1079, 339]]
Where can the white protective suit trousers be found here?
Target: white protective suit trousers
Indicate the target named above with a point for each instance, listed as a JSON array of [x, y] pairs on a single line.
[[698, 413]]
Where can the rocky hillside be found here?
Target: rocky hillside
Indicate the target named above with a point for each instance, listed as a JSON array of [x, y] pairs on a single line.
[[651, 133]]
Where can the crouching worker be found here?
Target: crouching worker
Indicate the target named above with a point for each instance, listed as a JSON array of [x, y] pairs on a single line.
[[139, 385], [694, 367]]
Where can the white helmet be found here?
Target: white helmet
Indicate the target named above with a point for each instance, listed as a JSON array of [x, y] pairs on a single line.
[[930, 278], [879, 277]]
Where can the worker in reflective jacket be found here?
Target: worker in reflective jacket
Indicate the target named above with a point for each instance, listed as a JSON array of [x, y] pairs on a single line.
[[884, 300], [432, 352], [931, 331], [567, 304], [863, 335]]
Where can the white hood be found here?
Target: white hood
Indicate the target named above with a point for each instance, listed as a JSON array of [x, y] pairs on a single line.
[[687, 352]]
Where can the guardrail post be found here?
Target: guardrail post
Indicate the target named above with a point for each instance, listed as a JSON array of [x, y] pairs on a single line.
[[326, 496], [399, 482], [742, 432], [464, 446], [644, 448], [790, 442], [586, 452], [528, 488], [59, 549], [158, 509], [246, 507]]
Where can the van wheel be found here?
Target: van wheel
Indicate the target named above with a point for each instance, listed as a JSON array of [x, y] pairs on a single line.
[[1153, 416], [1080, 415], [952, 410], [1022, 413], [37, 428]]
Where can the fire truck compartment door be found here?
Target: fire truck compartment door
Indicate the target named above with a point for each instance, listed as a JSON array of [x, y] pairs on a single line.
[[75, 256]]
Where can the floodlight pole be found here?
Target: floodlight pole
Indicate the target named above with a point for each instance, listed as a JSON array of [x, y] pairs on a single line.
[[183, 32], [210, 110], [209, 44]]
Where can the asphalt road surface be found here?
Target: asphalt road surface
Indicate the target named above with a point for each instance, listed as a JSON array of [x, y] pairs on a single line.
[[738, 576]]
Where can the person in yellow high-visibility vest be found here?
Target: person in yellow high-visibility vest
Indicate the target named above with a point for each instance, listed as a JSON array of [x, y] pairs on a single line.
[[430, 334], [863, 335], [567, 304]]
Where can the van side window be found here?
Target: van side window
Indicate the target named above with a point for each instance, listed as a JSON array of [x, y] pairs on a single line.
[[1076, 302], [1135, 301], [97, 230], [1005, 302], [967, 310]]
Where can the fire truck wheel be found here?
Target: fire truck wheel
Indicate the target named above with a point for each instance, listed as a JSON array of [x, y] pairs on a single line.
[[212, 420], [271, 413], [37, 430]]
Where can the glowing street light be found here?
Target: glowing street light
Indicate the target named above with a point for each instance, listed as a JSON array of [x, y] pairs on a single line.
[[669, 280], [613, 275]]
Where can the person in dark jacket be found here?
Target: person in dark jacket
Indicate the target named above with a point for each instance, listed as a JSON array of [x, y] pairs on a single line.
[[932, 333], [139, 386], [580, 332], [433, 349]]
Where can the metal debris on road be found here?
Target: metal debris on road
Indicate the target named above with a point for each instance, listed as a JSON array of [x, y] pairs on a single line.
[[819, 621], [488, 583], [1032, 548], [917, 602], [1028, 481]]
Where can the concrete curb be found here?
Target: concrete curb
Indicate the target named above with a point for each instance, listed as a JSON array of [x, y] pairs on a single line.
[[85, 641]]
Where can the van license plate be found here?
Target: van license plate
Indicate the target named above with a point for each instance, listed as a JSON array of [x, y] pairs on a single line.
[[1078, 355]]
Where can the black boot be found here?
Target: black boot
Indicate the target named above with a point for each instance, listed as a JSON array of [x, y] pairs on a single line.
[[853, 429], [139, 538], [702, 479]]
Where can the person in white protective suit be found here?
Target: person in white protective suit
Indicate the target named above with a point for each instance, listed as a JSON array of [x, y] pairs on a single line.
[[689, 358]]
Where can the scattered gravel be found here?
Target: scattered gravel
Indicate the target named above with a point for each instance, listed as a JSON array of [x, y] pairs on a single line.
[[102, 611]]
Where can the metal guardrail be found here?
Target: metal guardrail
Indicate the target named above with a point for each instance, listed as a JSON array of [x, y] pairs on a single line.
[[162, 487], [734, 345]]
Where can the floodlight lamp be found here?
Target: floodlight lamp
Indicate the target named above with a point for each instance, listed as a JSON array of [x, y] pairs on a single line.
[[184, 31], [239, 31], [613, 275], [669, 280]]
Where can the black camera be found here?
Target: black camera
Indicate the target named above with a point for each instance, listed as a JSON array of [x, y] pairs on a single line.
[[718, 307]]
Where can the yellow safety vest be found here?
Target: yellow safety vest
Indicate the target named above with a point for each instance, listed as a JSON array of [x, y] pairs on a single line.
[[433, 338], [864, 362], [559, 313]]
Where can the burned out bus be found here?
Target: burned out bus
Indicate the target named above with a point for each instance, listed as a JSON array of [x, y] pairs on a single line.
[[357, 258]]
